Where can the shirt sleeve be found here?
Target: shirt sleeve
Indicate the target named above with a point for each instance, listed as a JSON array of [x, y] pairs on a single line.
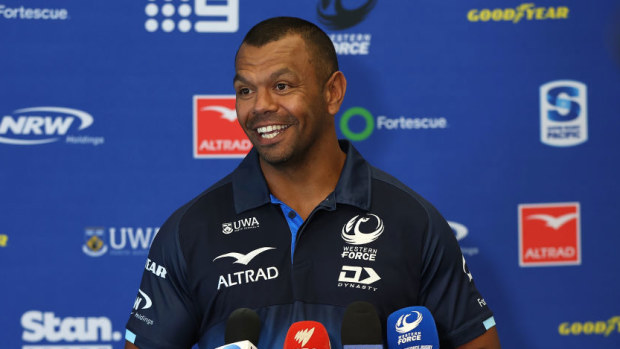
[[163, 315], [448, 288]]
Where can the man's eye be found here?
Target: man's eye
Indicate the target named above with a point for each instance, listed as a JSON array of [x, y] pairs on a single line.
[[243, 91], [281, 86]]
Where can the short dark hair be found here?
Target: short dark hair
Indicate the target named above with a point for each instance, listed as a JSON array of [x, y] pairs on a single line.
[[319, 45]]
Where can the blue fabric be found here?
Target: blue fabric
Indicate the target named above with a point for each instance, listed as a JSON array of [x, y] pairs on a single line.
[[293, 223]]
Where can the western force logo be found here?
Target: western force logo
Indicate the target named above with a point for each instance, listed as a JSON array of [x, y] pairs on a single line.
[[206, 16], [523, 12], [352, 231], [357, 123], [122, 241], [563, 113], [245, 258], [49, 331], [549, 234], [246, 276], [403, 326], [242, 224], [41, 125], [217, 134], [342, 18], [303, 336]]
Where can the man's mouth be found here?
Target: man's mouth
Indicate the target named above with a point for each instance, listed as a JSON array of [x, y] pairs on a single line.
[[271, 131]]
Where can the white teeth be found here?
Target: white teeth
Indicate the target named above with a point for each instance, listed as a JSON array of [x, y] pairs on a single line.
[[270, 131]]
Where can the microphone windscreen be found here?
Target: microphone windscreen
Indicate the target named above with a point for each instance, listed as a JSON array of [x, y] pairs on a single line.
[[410, 327], [242, 324], [307, 334], [361, 325]]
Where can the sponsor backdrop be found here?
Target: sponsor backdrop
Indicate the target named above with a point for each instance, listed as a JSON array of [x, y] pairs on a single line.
[[503, 114]]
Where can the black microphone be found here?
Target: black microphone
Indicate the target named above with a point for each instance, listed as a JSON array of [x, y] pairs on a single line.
[[242, 330], [361, 327]]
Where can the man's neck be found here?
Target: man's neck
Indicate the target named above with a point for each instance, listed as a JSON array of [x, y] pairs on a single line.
[[305, 184]]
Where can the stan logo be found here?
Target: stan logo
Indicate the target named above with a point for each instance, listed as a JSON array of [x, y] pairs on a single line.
[[402, 326], [549, 234], [342, 18], [563, 113], [362, 230], [302, 337], [95, 245], [50, 331], [217, 133], [209, 16], [40, 125]]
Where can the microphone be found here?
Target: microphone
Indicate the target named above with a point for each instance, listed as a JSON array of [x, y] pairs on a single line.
[[361, 327], [307, 335], [242, 330], [412, 326]]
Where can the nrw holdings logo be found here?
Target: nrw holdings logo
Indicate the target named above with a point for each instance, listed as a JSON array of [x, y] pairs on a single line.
[[205, 16], [549, 234], [563, 113], [41, 125], [217, 134], [357, 123], [124, 241]]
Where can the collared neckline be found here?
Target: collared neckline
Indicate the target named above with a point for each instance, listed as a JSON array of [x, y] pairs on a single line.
[[353, 188]]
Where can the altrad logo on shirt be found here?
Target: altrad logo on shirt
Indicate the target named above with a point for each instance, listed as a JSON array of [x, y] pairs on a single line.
[[246, 276]]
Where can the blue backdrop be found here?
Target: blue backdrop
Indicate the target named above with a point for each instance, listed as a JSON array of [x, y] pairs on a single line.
[[503, 114]]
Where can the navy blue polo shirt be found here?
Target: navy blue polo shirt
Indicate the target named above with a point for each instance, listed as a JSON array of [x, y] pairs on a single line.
[[372, 239]]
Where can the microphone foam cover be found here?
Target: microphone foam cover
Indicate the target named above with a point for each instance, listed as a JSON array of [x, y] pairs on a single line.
[[242, 324], [361, 325]]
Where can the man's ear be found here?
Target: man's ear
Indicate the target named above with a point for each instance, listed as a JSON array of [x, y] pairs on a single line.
[[335, 88]]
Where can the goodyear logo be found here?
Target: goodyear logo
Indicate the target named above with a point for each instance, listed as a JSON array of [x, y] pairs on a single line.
[[526, 11], [604, 328], [4, 239]]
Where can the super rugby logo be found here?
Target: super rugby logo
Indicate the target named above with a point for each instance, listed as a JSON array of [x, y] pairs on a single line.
[[402, 326], [352, 231], [40, 125]]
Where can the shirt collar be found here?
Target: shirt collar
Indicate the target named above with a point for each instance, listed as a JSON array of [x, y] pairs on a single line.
[[250, 188]]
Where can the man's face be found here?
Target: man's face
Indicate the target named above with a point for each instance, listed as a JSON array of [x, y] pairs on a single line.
[[280, 101]]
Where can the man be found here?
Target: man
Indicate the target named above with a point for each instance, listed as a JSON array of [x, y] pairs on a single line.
[[304, 226]]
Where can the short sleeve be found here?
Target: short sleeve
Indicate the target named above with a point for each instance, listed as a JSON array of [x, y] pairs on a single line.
[[448, 288], [163, 315]]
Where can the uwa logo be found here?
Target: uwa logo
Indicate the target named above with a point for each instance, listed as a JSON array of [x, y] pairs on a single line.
[[40, 125], [118, 241]]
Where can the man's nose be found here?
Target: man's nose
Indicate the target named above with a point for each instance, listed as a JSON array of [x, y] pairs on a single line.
[[264, 102]]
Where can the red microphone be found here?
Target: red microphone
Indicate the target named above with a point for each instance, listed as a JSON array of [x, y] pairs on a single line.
[[307, 335]]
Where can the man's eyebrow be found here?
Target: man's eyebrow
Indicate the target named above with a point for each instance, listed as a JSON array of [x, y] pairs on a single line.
[[273, 75]]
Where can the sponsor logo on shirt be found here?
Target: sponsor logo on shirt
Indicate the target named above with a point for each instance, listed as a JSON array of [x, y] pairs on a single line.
[[353, 233], [246, 276], [217, 134], [123, 241], [42, 125], [205, 16], [157, 270], [563, 113], [49, 331], [611, 327], [142, 302], [549, 234], [358, 277], [241, 224]]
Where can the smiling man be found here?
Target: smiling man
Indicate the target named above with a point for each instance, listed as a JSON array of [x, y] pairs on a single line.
[[304, 226]]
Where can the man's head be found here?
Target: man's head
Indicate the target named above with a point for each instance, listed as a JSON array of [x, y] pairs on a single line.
[[288, 90], [319, 45]]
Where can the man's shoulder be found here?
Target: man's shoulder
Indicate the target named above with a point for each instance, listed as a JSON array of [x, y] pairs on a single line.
[[394, 185]]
